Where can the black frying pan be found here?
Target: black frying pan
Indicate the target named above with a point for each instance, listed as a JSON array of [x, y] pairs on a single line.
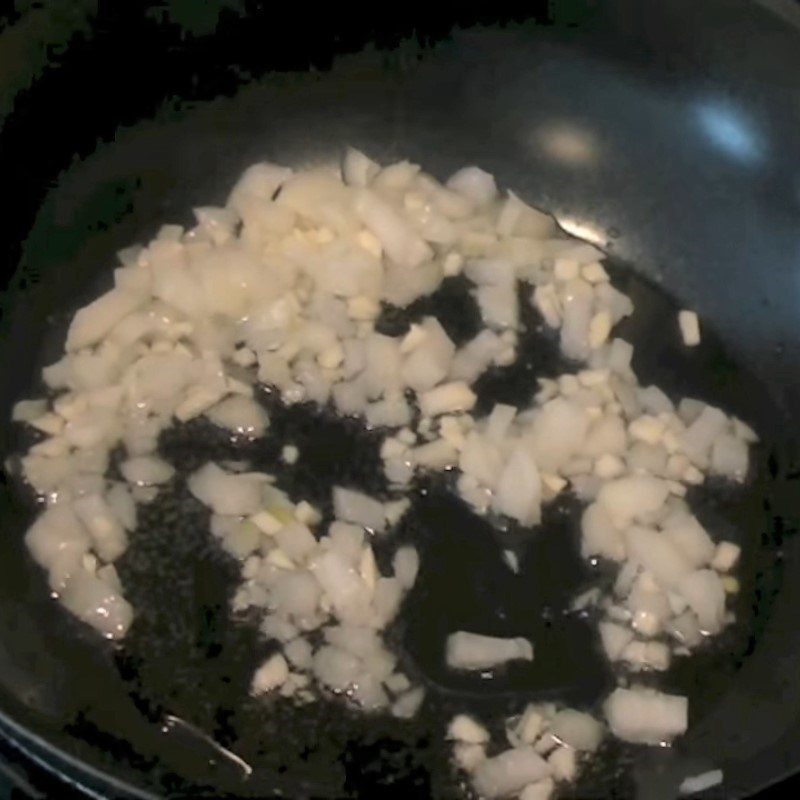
[[116, 121]]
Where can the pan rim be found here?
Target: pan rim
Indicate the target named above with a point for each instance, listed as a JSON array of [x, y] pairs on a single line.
[[83, 774]]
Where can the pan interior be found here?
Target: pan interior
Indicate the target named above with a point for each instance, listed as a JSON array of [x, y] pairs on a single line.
[[167, 710]]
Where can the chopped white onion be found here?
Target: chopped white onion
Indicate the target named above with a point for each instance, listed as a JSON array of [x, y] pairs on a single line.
[[407, 705], [576, 729], [702, 782], [270, 675], [406, 565], [99, 604], [108, 534], [690, 328], [463, 728], [240, 415], [146, 470], [352, 506], [541, 790], [473, 651], [468, 756], [704, 592], [726, 556], [226, 494], [285, 285], [510, 772], [474, 184], [646, 716], [446, 399]]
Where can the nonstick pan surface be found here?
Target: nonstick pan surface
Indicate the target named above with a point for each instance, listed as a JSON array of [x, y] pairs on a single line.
[[690, 179]]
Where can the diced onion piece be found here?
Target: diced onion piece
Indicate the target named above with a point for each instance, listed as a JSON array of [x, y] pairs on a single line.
[[446, 399], [600, 536], [534, 224], [599, 329], [645, 716], [689, 536], [474, 184], [690, 328], [729, 457], [240, 539], [726, 556], [358, 640], [619, 357], [557, 433], [656, 553], [123, 506], [219, 223], [594, 272], [576, 729], [394, 510], [259, 181], [336, 668], [577, 319], [28, 410], [704, 592], [58, 541], [545, 299], [353, 506], [498, 305], [686, 629], [110, 539], [646, 655], [615, 639], [347, 540], [407, 705], [472, 359], [299, 653], [541, 790], [406, 565], [238, 495], [343, 585], [518, 493], [429, 362], [563, 762], [272, 674], [275, 627], [468, 756], [146, 470], [499, 421], [632, 498], [358, 169], [290, 453], [744, 431], [473, 651], [607, 436], [700, 435], [649, 605], [655, 401], [700, 783], [386, 601], [529, 726], [93, 322], [436, 455], [463, 728], [400, 241], [295, 594], [97, 603], [510, 772], [295, 539], [239, 414], [689, 409]]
